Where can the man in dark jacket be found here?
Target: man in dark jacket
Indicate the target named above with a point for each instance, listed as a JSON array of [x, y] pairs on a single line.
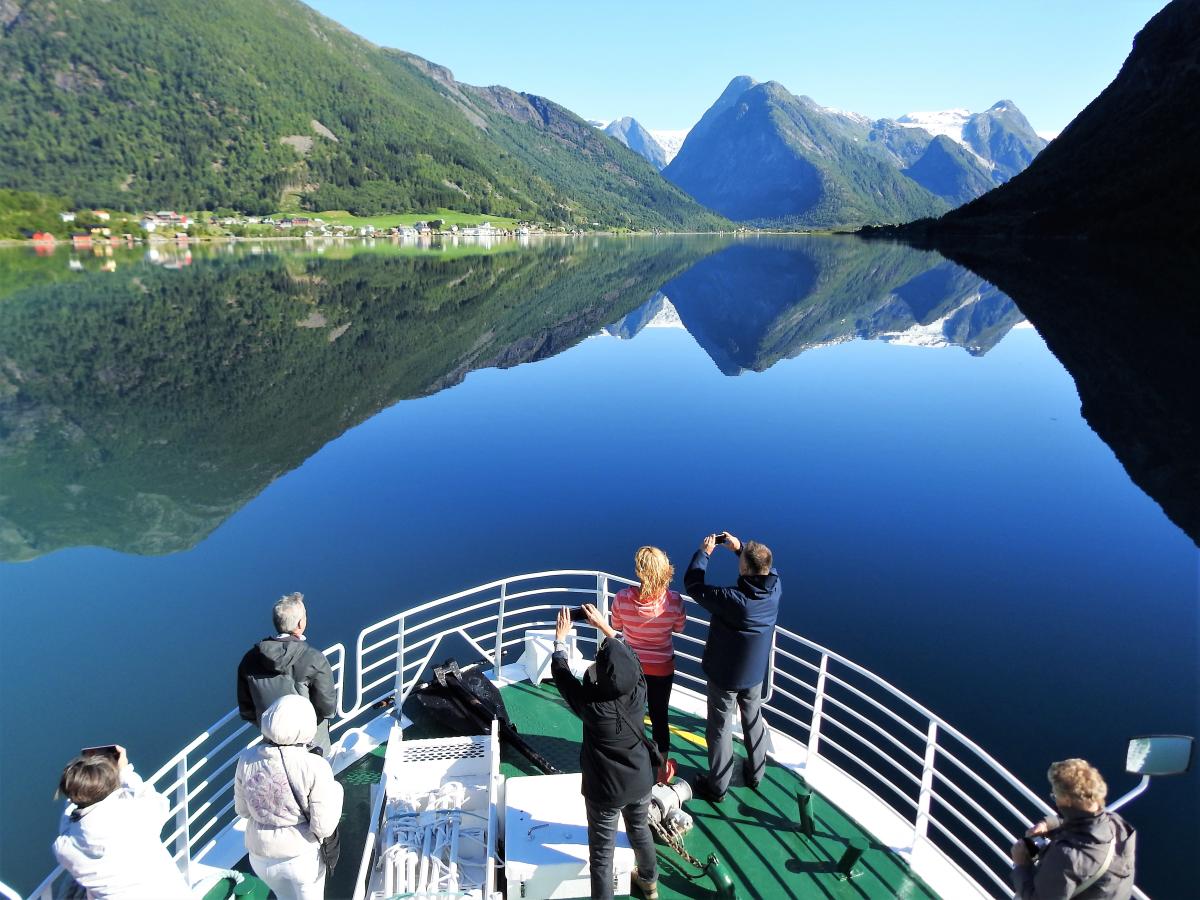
[[1090, 852], [735, 656], [614, 759], [287, 664]]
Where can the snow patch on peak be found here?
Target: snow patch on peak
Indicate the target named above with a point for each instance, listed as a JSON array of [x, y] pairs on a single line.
[[669, 140], [932, 335], [949, 122], [667, 315], [846, 114]]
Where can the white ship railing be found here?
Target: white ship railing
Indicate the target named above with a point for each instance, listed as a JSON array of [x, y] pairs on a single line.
[[951, 795]]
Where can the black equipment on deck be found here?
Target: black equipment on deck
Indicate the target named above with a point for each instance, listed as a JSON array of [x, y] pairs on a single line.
[[466, 702]]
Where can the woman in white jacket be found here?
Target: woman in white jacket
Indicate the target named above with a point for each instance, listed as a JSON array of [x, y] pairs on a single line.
[[282, 838], [109, 836]]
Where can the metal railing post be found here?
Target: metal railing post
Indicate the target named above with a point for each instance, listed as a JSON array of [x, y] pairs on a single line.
[[921, 823], [770, 671], [601, 605], [399, 665], [814, 729], [498, 652], [183, 837], [602, 594]]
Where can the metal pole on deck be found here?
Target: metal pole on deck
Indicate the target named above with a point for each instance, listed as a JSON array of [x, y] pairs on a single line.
[[498, 651]]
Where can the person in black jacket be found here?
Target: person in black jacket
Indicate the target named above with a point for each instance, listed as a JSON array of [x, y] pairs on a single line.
[[287, 664], [1090, 851], [614, 760], [735, 656]]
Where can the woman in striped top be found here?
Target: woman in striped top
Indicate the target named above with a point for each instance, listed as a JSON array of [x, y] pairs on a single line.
[[648, 615]]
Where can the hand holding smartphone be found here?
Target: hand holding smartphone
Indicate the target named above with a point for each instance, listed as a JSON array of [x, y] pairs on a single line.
[[110, 750]]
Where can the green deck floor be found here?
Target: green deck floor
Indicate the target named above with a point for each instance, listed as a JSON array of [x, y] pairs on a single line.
[[753, 832]]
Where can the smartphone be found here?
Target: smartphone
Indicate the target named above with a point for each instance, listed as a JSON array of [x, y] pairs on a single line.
[[109, 750], [578, 615], [720, 537]]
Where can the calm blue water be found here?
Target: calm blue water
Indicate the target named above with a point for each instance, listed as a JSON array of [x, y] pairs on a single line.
[[941, 515]]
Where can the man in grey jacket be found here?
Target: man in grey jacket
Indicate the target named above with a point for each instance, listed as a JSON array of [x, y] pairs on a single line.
[[287, 664], [1089, 852]]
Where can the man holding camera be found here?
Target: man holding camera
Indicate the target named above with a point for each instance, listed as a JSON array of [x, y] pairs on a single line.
[[735, 656], [1084, 853]]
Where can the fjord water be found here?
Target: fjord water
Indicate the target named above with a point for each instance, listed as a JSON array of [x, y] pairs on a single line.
[[191, 435]]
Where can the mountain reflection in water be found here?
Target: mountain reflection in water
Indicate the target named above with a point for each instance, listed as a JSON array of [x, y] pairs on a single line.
[[141, 408], [1124, 322], [755, 303]]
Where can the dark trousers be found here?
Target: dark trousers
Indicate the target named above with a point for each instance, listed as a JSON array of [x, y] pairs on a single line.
[[658, 697], [602, 839], [720, 734]]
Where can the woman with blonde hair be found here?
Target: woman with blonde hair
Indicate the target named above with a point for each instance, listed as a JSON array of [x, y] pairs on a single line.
[[648, 615], [1085, 852]]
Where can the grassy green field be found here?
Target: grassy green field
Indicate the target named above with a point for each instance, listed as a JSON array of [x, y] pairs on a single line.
[[449, 216]]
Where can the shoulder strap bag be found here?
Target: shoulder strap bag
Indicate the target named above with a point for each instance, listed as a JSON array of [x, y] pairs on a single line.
[[1099, 873], [331, 846]]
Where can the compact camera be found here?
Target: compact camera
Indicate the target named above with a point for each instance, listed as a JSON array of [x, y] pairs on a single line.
[[1036, 844]]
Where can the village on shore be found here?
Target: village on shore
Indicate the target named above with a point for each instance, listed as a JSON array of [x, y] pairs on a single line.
[[98, 226]]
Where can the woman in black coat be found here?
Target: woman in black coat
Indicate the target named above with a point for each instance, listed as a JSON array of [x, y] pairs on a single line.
[[614, 760]]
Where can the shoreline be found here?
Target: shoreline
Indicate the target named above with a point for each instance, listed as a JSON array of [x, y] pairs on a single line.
[[233, 239]]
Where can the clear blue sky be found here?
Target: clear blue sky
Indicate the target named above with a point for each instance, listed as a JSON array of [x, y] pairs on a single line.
[[665, 62]]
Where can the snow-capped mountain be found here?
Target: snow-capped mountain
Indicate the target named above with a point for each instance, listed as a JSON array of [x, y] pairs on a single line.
[[1000, 137], [949, 122], [670, 140]]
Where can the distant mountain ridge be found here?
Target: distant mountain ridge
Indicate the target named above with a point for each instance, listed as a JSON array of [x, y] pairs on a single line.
[[631, 133], [765, 156], [169, 104], [1000, 137]]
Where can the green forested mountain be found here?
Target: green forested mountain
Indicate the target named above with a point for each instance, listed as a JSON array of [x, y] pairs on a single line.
[[950, 171], [227, 104], [765, 156]]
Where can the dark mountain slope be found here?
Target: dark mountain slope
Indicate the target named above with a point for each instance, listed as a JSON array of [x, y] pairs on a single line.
[[1126, 167]]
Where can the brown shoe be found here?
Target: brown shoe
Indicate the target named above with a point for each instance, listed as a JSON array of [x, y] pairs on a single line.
[[649, 889]]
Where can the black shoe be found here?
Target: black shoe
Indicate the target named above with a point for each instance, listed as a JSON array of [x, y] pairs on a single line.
[[747, 778], [705, 791]]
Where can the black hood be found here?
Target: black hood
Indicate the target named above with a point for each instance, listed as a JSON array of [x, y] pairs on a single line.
[[616, 671], [275, 656], [1086, 827]]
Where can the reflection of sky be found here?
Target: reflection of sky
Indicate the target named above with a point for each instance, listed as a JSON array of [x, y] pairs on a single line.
[[948, 521]]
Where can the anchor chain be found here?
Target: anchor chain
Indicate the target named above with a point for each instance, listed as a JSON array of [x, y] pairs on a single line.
[[674, 840]]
